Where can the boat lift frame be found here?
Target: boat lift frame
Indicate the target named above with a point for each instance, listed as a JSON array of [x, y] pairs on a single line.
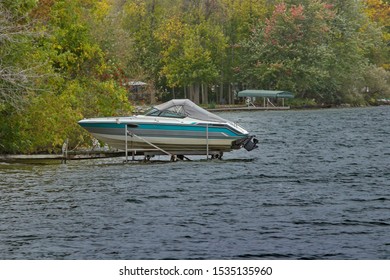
[[172, 155]]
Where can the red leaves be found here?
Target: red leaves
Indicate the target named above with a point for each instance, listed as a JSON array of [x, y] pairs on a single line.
[[280, 9], [289, 23], [281, 18], [297, 12]]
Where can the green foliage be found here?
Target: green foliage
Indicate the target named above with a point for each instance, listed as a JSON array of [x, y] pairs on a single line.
[[74, 51], [63, 60], [19, 7], [290, 50], [315, 49], [192, 54], [62, 64], [301, 103]]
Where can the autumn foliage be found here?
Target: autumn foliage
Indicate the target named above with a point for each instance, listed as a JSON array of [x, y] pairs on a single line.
[[63, 60]]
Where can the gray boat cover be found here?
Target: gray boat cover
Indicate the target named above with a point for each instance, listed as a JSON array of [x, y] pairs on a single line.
[[188, 108]]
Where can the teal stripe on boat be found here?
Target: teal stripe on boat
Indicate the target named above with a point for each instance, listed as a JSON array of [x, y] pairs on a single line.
[[179, 127], [187, 128], [103, 125]]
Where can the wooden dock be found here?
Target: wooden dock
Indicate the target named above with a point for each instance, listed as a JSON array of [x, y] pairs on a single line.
[[71, 155]]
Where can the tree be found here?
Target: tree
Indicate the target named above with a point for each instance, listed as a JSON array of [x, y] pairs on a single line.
[[290, 50], [315, 49], [16, 73], [68, 87], [238, 19], [141, 19], [379, 12], [355, 42], [191, 55]]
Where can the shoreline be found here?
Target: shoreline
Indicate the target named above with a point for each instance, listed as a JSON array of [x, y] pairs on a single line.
[[222, 108], [101, 154]]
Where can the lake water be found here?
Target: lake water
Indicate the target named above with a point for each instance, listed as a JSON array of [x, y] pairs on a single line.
[[317, 188]]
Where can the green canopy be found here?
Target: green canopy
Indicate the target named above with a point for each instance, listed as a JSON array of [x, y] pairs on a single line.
[[265, 93]]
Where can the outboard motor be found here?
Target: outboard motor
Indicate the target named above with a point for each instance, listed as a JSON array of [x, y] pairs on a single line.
[[250, 143]]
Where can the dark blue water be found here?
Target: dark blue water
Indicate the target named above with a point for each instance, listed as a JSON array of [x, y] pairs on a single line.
[[318, 188]]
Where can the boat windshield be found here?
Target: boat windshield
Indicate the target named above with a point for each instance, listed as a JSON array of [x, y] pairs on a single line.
[[165, 113], [181, 108]]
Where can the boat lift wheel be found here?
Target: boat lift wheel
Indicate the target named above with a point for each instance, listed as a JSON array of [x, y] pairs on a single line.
[[217, 156], [174, 158], [147, 158]]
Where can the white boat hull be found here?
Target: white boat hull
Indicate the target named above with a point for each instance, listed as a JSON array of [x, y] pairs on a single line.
[[174, 133]]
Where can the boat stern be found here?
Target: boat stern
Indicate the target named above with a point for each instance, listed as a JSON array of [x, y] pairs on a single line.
[[249, 143]]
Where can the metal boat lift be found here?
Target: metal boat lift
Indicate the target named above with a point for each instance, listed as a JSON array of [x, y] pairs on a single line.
[[157, 150]]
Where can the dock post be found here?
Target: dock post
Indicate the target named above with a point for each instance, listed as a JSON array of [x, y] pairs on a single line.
[[65, 151]]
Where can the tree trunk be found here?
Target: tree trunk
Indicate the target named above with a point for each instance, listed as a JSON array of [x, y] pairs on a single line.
[[205, 98], [194, 93], [152, 97], [196, 97], [206, 94], [191, 92], [220, 94], [230, 93]]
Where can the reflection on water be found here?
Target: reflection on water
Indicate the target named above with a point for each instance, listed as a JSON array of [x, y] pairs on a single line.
[[317, 188]]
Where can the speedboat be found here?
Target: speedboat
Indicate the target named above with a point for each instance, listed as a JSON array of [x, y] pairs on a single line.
[[177, 128]]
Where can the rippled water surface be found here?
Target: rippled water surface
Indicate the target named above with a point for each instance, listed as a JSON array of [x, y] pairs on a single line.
[[318, 188]]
